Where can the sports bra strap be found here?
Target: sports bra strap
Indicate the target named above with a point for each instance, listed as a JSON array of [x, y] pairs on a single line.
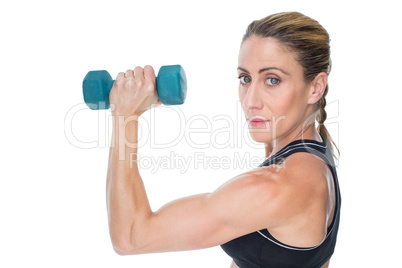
[[317, 148]]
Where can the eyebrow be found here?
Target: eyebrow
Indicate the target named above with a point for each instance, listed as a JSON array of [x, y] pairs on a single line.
[[264, 70]]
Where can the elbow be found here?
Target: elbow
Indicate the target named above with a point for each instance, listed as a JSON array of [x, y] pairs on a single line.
[[129, 241], [123, 247], [127, 245], [122, 251]]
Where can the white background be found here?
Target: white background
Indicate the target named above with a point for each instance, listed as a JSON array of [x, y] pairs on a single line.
[[52, 190]]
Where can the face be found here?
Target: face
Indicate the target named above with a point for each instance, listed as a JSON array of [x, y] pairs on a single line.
[[274, 96]]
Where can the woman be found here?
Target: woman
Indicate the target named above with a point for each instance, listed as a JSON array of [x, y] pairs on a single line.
[[284, 213]]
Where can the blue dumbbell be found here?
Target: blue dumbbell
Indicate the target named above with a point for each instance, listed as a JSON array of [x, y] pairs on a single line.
[[171, 85]]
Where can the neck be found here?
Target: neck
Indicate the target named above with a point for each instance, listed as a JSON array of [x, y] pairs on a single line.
[[306, 132]]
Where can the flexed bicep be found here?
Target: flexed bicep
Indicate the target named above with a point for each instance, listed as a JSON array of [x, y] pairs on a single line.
[[238, 207]]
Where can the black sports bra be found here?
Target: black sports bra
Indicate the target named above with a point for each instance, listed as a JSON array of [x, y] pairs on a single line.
[[261, 250]]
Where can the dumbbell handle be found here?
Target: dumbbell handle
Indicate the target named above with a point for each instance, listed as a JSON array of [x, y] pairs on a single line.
[[171, 85]]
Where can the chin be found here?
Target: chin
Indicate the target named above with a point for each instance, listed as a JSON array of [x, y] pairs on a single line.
[[261, 137]]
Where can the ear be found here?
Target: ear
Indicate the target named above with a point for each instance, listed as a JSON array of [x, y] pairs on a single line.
[[317, 87]]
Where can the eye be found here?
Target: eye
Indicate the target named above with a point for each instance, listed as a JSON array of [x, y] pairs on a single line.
[[273, 81], [244, 79]]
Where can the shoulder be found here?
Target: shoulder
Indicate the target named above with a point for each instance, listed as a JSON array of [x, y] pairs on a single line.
[[290, 187], [306, 171], [269, 196], [297, 172], [245, 203], [303, 180]]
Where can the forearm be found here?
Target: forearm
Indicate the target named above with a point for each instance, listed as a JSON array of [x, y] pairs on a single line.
[[127, 202]]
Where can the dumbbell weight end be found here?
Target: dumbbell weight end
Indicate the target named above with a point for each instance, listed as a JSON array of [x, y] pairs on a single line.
[[96, 88], [171, 85]]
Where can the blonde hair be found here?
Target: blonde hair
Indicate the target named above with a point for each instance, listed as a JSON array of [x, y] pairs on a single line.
[[310, 42]]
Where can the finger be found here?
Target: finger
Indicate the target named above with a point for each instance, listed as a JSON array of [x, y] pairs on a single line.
[[139, 73], [149, 73], [120, 75], [129, 74]]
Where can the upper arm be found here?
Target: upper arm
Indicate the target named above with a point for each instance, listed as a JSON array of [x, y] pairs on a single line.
[[265, 198], [246, 203]]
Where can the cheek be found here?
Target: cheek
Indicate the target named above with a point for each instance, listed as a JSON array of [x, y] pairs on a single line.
[[286, 109], [280, 105]]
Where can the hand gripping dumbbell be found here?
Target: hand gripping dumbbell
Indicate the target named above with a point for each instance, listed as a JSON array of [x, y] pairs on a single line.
[[171, 85]]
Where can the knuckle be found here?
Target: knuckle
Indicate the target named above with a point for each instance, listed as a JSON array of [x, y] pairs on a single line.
[[148, 68], [129, 73], [138, 82], [149, 88], [150, 85], [118, 82]]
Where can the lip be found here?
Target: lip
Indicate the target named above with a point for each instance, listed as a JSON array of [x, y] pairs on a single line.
[[256, 121]]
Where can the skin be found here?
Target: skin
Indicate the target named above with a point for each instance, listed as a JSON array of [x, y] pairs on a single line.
[[294, 201]]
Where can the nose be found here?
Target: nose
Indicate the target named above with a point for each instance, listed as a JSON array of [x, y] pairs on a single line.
[[251, 97]]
